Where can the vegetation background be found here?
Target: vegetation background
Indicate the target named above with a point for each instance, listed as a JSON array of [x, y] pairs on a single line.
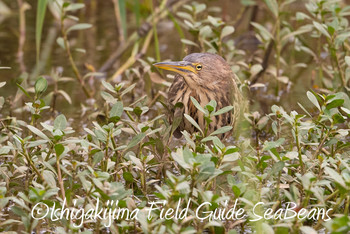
[[82, 114]]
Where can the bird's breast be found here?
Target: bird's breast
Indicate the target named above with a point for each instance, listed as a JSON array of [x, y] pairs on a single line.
[[203, 97]]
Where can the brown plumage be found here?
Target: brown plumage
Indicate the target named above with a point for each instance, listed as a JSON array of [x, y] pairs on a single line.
[[205, 77]]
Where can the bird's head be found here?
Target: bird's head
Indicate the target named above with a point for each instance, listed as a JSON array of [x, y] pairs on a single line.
[[201, 70]]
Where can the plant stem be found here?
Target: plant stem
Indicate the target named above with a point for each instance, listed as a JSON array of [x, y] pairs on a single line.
[[106, 150], [119, 21], [278, 50], [257, 148], [60, 180], [346, 210], [133, 58], [71, 60], [26, 155], [155, 34], [298, 145], [22, 33], [322, 143]]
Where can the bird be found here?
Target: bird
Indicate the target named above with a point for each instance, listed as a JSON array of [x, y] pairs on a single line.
[[205, 77]]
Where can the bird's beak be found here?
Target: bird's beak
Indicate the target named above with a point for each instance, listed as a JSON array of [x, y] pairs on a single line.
[[181, 67]]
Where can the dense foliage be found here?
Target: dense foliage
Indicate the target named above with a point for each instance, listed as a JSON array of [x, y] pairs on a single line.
[[117, 145]]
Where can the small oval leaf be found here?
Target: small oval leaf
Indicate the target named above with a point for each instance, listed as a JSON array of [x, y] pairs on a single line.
[[40, 85], [79, 27], [313, 99]]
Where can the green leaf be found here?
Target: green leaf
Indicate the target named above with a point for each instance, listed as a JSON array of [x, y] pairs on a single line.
[[40, 85], [321, 28], [18, 211], [339, 225], [197, 105], [273, 6], [40, 16], [308, 230], [74, 6], [301, 16], [136, 161], [223, 110], [188, 42], [50, 178], [335, 176], [335, 103], [79, 27], [127, 90], [330, 29], [98, 156], [266, 228], [80, 50], [231, 157], [211, 106], [205, 31], [136, 140], [303, 108], [59, 149], [117, 110], [227, 30], [221, 130], [273, 144], [216, 22], [60, 42], [65, 95], [301, 30], [184, 15], [108, 97], [108, 86], [178, 157], [60, 122], [137, 110], [37, 132], [193, 122], [346, 110], [236, 191], [313, 99], [276, 168], [198, 8], [128, 177], [263, 31], [338, 118], [341, 37]]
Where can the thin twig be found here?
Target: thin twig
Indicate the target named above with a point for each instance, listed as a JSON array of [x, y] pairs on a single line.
[[22, 33], [60, 180], [265, 62], [119, 22], [321, 144], [31, 163], [71, 60], [133, 58]]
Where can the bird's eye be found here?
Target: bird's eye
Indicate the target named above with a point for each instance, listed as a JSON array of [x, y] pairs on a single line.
[[198, 67]]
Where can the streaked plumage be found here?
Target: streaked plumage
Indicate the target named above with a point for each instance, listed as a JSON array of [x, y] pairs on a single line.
[[205, 77]]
